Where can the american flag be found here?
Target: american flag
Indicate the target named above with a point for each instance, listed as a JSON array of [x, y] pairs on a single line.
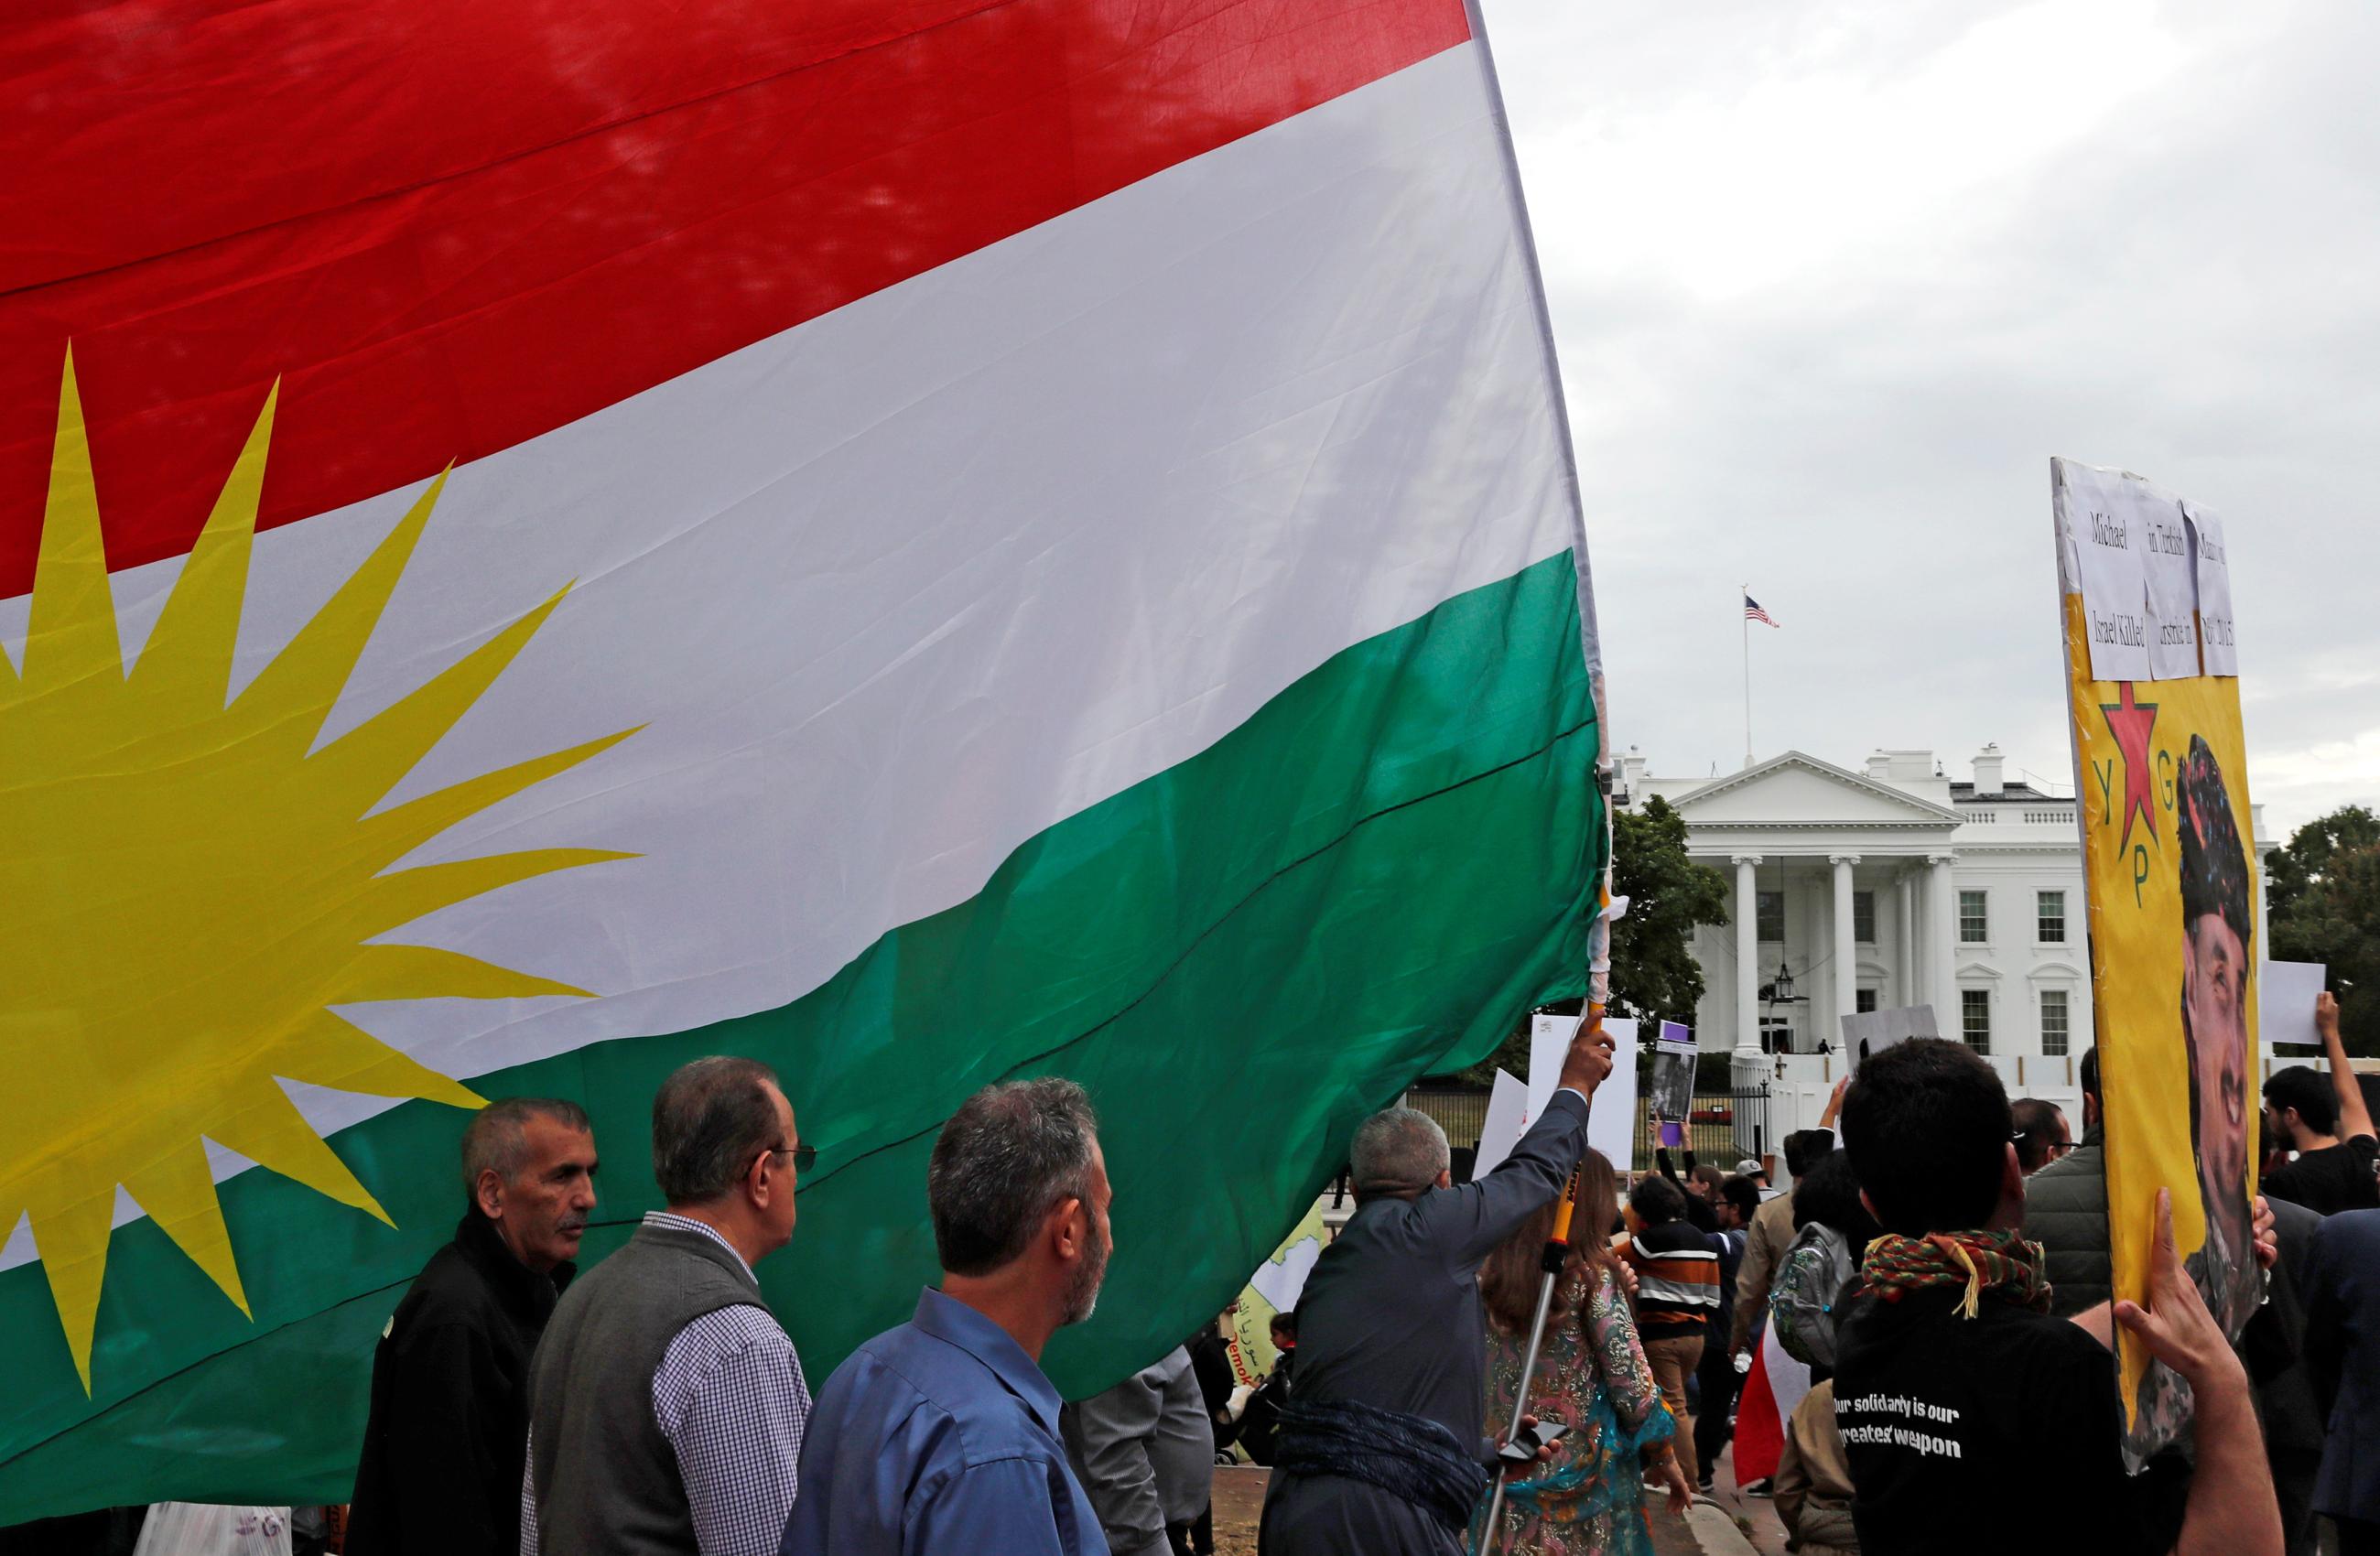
[[1751, 612]]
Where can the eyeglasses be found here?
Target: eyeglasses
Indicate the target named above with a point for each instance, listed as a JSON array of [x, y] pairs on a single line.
[[805, 1156]]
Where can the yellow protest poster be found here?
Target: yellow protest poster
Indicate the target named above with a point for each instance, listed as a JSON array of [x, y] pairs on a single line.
[[1274, 1288], [2172, 885]]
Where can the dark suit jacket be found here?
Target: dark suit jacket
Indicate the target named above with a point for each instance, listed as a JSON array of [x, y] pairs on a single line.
[[2343, 1344], [1392, 1318]]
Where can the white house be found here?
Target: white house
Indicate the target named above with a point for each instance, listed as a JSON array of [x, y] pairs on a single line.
[[1894, 884]]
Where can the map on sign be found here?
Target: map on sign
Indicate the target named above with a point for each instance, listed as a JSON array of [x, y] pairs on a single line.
[[1275, 1287]]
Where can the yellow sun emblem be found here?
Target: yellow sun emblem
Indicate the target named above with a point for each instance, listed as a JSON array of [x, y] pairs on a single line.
[[192, 886]]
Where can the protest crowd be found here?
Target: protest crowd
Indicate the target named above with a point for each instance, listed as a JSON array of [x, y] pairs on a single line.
[[1943, 1271]]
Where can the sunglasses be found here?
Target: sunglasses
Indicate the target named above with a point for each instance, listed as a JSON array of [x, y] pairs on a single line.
[[805, 1156]]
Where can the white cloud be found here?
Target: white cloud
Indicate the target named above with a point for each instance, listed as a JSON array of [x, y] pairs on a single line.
[[1831, 285]]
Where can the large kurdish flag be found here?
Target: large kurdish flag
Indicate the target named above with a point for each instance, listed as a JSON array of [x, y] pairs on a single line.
[[919, 540]]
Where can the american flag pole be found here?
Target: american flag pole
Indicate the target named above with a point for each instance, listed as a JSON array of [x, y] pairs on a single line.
[[1746, 613]]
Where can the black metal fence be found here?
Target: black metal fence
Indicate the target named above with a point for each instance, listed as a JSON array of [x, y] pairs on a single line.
[[1722, 1128], [1461, 1110]]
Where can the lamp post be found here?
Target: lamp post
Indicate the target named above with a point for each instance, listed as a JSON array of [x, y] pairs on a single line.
[[1779, 992]]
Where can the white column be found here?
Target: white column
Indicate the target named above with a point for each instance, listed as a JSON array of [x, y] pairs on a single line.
[[2263, 933], [1944, 951], [1846, 945], [1904, 945], [1747, 955]]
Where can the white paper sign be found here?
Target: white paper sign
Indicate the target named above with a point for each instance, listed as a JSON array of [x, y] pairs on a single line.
[[2217, 652], [1282, 1284], [2164, 541], [1612, 1122], [1550, 1039], [2284, 1008], [1869, 1032], [1611, 1116], [1507, 1111], [2100, 540]]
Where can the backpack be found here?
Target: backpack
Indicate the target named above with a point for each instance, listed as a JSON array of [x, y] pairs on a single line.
[[1811, 1278]]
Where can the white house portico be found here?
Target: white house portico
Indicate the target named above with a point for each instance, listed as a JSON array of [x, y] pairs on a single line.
[[1891, 885]]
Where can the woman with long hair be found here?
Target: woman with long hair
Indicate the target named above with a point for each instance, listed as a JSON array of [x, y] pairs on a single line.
[[1588, 1500]]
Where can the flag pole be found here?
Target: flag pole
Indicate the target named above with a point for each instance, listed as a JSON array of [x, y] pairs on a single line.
[[1744, 610], [1556, 1258]]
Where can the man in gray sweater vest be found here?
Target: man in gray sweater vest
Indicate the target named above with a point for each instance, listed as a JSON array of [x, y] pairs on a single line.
[[665, 1404]]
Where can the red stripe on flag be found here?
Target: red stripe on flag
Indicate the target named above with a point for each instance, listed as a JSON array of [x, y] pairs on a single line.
[[452, 231], [1759, 1430]]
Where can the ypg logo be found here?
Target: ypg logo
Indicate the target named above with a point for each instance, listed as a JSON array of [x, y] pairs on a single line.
[[193, 884], [2131, 724]]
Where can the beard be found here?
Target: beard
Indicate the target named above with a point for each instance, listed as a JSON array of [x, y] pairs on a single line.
[[1083, 1287]]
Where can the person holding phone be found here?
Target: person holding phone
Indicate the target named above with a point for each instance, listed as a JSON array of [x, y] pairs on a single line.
[[1384, 1447], [1594, 1394]]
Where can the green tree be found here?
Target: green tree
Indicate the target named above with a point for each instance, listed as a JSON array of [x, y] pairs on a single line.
[[2324, 907], [1653, 969]]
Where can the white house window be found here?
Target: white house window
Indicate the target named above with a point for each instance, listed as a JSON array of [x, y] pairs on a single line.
[[1864, 1000], [1863, 918], [2050, 913], [1769, 909], [2053, 1019], [1976, 1017], [1972, 922]]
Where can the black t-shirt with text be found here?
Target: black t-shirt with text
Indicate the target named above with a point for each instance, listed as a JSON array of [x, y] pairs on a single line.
[[2330, 1179], [1951, 1426]]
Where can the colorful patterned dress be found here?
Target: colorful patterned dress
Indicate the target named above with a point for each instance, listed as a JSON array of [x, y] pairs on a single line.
[[1589, 1499]]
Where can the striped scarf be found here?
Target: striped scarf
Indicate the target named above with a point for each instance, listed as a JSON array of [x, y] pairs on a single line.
[[2001, 1263]]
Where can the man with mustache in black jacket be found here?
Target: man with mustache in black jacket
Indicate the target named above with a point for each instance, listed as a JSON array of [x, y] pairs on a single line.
[[444, 1447]]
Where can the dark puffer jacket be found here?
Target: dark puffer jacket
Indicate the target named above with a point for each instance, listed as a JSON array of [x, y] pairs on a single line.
[[2066, 1212]]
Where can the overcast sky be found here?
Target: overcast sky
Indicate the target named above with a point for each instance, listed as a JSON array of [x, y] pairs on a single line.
[[1832, 282]]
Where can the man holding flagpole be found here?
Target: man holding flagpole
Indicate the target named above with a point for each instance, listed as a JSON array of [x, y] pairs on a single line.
[[1384, 1449]]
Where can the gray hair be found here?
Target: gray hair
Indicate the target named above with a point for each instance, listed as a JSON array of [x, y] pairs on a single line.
[[711, 1119], [496, 1139], [1009, 1156], [1398, 1147]]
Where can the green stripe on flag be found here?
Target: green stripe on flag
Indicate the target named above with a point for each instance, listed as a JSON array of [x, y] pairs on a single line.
[[1369, 879]]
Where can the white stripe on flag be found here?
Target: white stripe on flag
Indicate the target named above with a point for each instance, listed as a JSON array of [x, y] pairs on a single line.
[[899, 590]]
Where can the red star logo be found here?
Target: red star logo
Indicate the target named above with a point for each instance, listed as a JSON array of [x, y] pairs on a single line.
[[2129, 722]]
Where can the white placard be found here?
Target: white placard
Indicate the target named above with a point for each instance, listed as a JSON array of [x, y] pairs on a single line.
[[1550, 1039], [2163, 537], [2285, 1007], [1611, 1121], [1283, 1282], [1508, 1113], [1869, 1032], [2100, 541], [2217, 652]]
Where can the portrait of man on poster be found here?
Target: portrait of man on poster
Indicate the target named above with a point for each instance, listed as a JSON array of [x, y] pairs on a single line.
[[2217, 959]]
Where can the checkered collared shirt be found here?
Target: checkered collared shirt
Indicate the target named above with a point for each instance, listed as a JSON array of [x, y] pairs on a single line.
[[731, 1399]]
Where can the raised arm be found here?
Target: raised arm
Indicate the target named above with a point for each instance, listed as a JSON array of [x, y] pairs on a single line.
[[1834, 1103], [1469, 1220], [2232, 1511], [2355, 1118]]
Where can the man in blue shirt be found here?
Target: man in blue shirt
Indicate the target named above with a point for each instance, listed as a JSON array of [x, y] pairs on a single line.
[[941, 1435]]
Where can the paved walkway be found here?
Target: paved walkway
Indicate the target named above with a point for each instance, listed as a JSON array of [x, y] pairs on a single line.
[[1756, 1516], [1726, 1523]]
